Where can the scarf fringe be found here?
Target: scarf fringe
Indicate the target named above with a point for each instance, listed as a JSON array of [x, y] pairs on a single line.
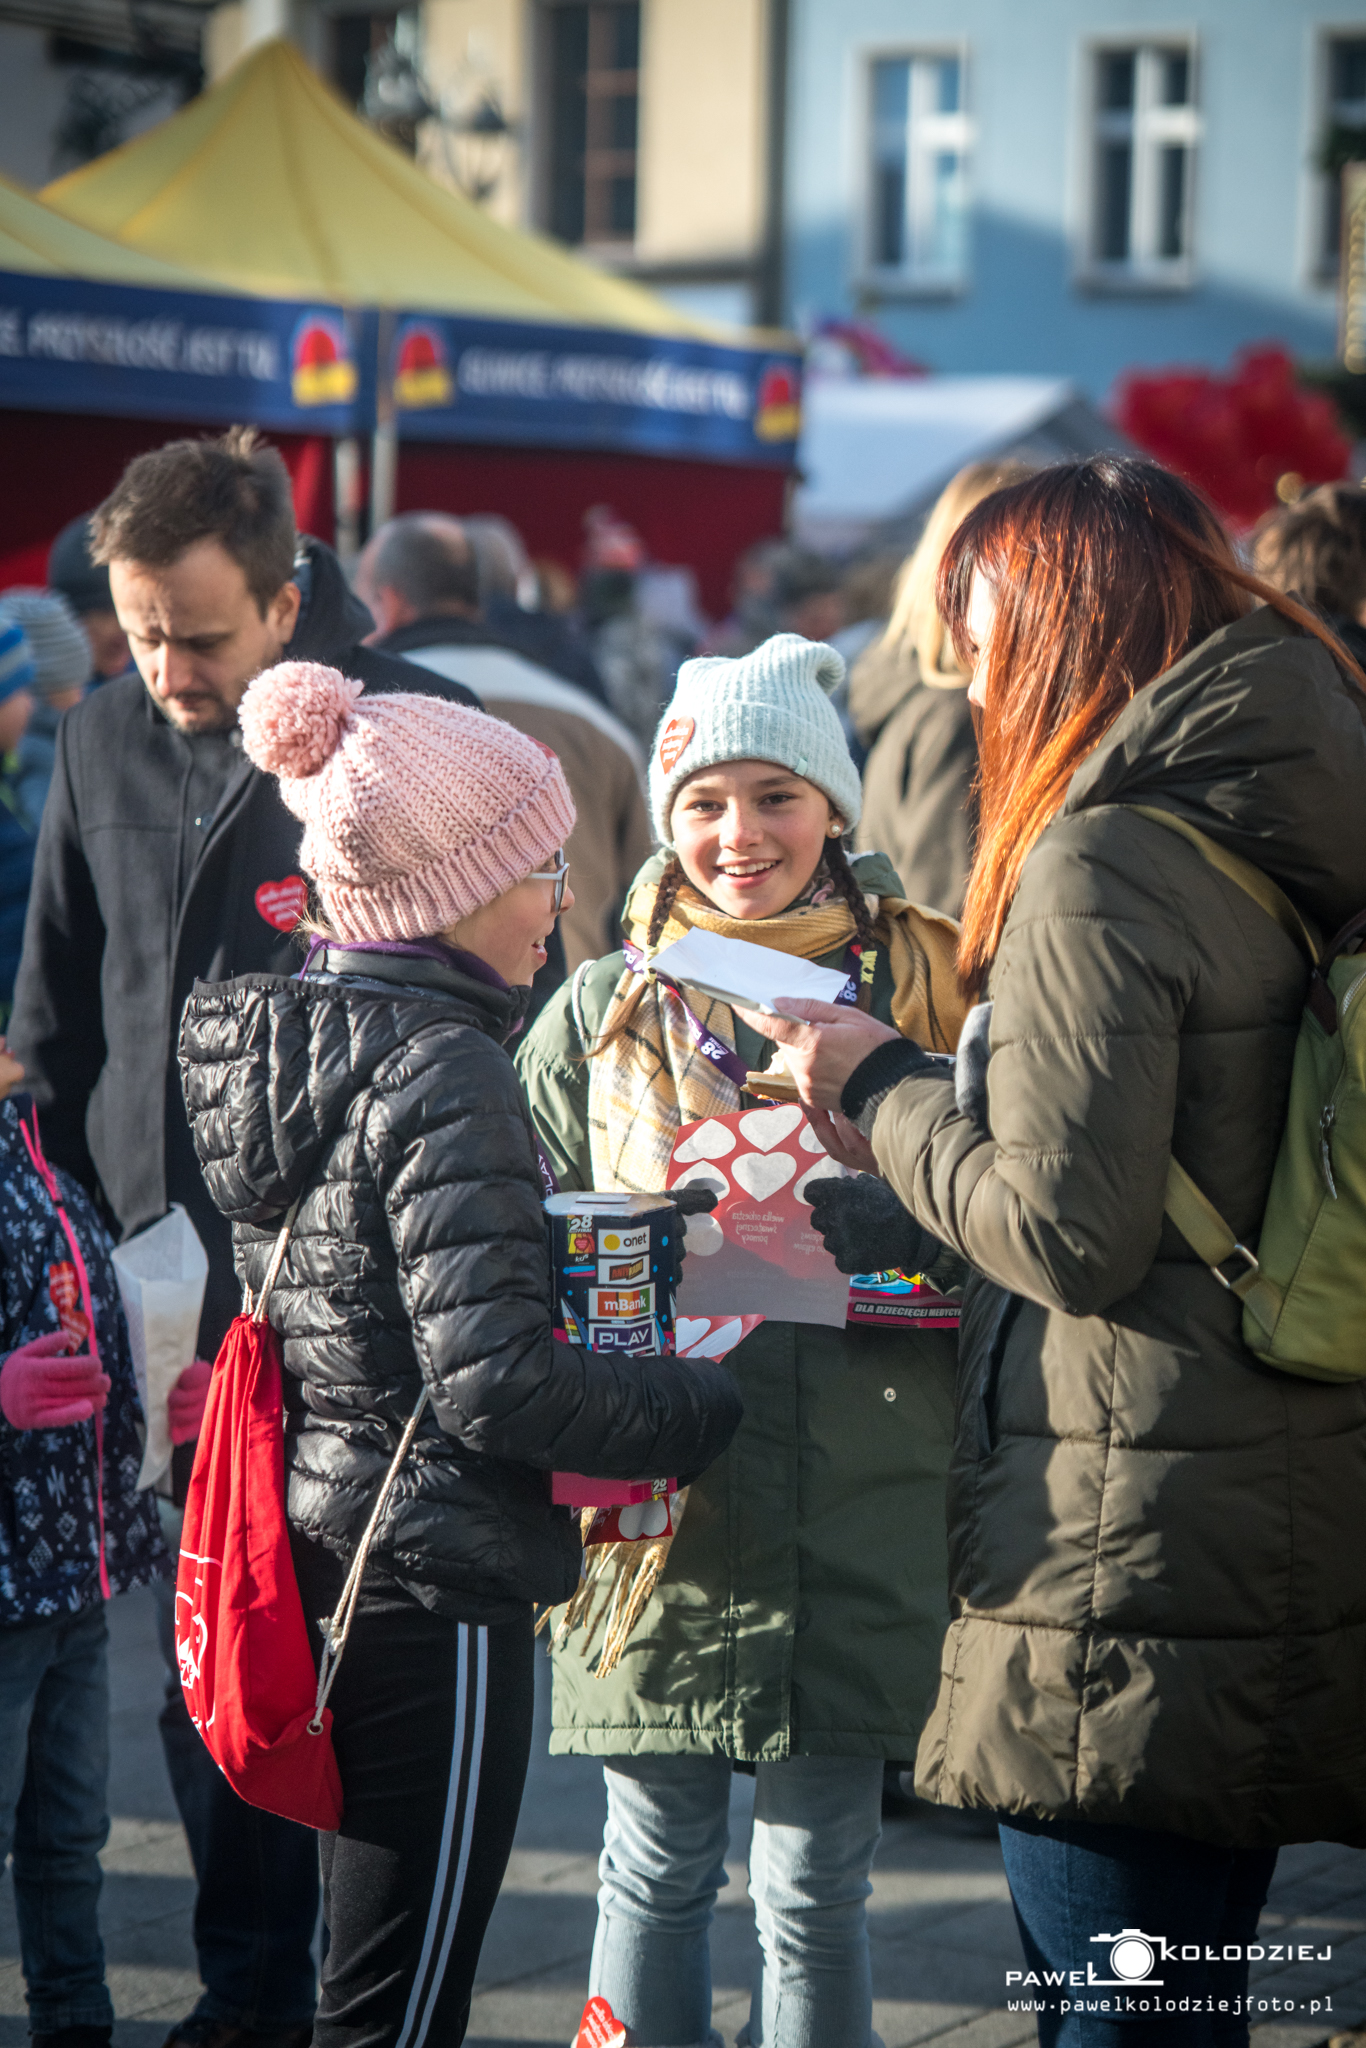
[[627, 1574]]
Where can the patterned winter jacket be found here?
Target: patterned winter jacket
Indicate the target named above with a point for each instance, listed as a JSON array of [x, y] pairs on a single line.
[[49, 1508]]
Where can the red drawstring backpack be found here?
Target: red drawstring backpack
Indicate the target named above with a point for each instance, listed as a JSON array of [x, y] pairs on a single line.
[[241, 1643]]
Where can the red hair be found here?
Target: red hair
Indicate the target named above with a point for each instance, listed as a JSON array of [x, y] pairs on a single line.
[[1105, 572]]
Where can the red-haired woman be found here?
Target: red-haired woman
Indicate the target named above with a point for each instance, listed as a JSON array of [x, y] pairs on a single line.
[[1157, 1659]]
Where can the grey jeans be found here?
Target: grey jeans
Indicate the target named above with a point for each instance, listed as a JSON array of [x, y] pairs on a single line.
[[817, 1820]]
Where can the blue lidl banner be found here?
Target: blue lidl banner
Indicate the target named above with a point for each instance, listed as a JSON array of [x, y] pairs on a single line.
[[456, 379], [71, 346]]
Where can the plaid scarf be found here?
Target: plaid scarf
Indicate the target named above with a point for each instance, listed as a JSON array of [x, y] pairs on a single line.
[[650, 1077]]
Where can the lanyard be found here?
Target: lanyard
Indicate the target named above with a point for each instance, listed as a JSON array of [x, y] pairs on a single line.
[[857, 968], [49, 1180]]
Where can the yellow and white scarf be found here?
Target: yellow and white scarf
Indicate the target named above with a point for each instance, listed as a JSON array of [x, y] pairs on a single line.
[[650, 1077]]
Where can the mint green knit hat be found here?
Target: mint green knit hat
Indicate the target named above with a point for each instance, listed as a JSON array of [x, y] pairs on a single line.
[[771, 705]]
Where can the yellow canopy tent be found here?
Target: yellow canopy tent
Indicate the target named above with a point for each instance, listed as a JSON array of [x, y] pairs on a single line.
[[269, 184], [102, 349], [582, 388], [40, 243]]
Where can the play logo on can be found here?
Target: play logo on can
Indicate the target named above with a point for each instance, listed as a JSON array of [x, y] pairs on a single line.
[[622, 1336]]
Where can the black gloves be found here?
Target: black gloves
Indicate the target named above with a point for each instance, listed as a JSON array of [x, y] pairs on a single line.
[[694, 1201], [865, 1227]]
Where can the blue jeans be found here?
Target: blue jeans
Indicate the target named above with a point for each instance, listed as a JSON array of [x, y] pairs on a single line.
[[256, 1903], [1075, 1885], [817, 1820], [54, 1817]]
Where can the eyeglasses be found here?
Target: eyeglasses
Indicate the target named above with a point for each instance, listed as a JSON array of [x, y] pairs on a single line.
[[558, 875]]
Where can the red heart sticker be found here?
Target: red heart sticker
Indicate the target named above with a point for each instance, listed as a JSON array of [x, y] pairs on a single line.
[[673, 742], [282, 904], [599, 2027]]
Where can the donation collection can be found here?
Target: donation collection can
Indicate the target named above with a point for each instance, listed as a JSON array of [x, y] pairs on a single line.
[[612, 1268]]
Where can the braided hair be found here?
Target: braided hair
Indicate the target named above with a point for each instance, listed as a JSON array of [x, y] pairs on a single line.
[[670, 882], [846, 882]]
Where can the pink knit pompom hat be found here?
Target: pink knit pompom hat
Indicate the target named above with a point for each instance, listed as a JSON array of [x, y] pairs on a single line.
[[416, 811]]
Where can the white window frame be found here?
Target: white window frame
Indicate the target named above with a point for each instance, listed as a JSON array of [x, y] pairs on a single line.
[[929, 133], [1321, 268], [1149, 127]]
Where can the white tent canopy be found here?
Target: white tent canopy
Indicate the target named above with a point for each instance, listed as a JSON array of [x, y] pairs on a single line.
[[874, 450]]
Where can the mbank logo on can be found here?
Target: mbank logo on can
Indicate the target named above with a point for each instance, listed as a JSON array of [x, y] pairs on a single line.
[[620, 1303]]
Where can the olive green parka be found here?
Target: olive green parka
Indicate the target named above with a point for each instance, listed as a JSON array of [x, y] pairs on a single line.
[[1158, 1575], [804, 1599]]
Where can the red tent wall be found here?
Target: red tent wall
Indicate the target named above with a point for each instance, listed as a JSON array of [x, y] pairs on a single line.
[[700, 513], [56, 465]]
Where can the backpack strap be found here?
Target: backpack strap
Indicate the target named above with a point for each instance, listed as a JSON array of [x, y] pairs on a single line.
[[1263, 891], [1210, 1238], [257, 1311], [337, 1631], [1194, 1215]]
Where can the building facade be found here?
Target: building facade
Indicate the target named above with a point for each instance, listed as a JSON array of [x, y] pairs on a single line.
[[639, 131], [1072, 187]]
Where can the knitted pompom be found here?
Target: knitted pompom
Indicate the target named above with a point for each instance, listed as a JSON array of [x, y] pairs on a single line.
[[293, 717]]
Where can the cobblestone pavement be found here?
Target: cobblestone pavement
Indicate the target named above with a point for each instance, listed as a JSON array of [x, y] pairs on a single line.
[[942, 1931]]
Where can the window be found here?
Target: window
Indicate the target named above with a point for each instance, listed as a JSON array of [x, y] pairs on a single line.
[[594, 74], [918, 202], [1144, 128], [1343, 139]]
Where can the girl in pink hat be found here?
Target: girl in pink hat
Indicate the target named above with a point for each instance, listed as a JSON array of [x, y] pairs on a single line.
[[374, 1093]]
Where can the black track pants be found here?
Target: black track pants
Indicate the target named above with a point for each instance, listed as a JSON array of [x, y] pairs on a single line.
[[432, 1729]]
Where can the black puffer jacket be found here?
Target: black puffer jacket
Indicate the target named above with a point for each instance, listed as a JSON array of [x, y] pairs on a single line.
[[379, 1090]]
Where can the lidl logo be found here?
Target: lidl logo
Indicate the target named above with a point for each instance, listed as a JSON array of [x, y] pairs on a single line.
[[778, 409], [422, 374], [321, 366]]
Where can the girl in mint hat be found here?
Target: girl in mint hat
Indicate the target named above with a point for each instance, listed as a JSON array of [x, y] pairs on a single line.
[[795, 1626]]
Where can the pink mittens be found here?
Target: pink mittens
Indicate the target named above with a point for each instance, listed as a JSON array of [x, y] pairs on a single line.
[[41, 1387], [185, 1402]]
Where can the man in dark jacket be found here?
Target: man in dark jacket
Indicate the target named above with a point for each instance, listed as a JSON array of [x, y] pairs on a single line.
[[164, 857], [420, 577]]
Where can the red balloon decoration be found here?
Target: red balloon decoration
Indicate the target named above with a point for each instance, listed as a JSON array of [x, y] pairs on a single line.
[[1236, 437]]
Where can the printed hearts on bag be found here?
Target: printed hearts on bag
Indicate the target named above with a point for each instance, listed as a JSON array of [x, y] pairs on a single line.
[[808, 1140], [765, 1128], [757, 1254], [642, 1519], [703, 1235], [710, 1140], [761, 1174], [283, 903]]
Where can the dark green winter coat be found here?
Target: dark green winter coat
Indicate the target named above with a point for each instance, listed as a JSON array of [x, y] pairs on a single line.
[[804, 1600], [1158, 1570]]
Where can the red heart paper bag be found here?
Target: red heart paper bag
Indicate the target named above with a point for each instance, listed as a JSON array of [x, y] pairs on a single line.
[[756, 1253]]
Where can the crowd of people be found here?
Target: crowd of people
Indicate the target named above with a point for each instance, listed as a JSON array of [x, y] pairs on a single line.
[[330, 905]]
